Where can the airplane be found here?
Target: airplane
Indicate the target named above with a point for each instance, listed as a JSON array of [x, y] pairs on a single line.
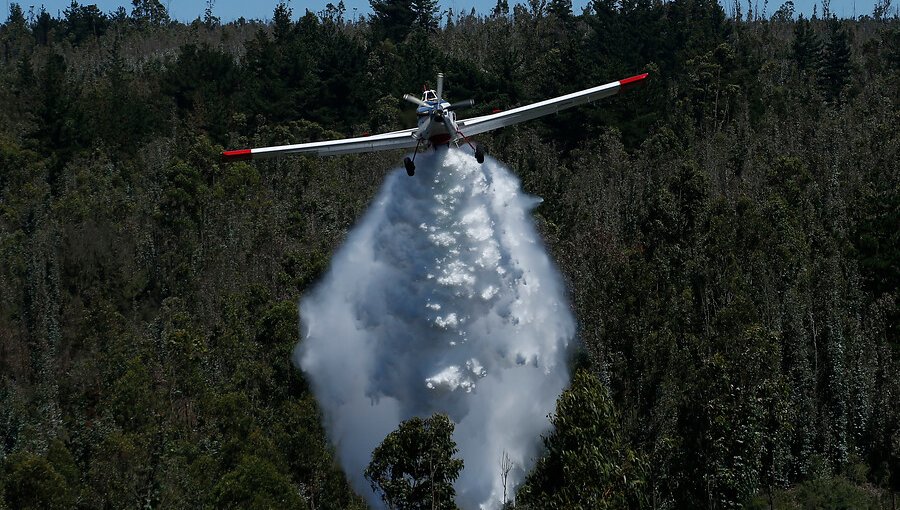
[[438, 126]]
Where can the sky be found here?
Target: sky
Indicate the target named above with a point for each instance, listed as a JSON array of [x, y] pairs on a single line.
[[228, 10]]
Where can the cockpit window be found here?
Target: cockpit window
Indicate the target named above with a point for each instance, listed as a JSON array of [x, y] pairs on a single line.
[[429, 96]]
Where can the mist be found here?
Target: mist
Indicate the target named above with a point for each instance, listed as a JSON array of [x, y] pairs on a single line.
[[442, 299]]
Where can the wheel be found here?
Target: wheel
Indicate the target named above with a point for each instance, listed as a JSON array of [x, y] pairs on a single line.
[[410, 166], [479, 154]]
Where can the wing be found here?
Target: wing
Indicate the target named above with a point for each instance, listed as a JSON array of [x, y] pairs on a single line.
[[485, 123], [393, 140]]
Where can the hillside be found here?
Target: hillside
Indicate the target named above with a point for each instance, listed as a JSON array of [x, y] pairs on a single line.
[[728, 235]]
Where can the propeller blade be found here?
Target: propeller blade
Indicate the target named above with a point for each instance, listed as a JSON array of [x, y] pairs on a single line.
[[468, 103], [424, 127], [440, 87], [414, 100], [450, 129]]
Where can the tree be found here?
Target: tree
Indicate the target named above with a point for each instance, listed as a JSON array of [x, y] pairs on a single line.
[[256, 484], [43, 27], [588, 464], [785, 13], [562, 9], [414, 467], [33, 483], [14, 33], [203, 82], [16, 16], [882, 9], [836, 61], [84, 22], [210, 19], [393, 19], [426, 14], [833, 493], [807, 46], [501, 10], [58, 114], [731, 239], [149, 12]]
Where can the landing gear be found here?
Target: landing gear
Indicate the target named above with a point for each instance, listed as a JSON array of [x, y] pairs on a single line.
[[410, 164], [479, 153]]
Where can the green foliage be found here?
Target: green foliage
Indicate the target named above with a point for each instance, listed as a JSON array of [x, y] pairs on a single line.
[[149, 12], [560, 8], [835, 70], [122, 470], [279, 324], [62, 461], [785, 13], [588, 462], [807, 46], [426, 12], [728, 232], [133, 402], [414, 467], [257, 485], [393, 19], [834, 493], [84, 22], [385, 115], [203, 81], [57, 116], [33, 483]]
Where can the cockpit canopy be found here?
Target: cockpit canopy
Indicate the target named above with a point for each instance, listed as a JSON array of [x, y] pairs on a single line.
[[429, 95]]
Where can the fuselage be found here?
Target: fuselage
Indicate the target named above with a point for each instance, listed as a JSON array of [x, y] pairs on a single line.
[[433, 121]]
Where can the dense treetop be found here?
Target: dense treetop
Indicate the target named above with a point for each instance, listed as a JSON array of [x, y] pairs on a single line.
[[729, 235]]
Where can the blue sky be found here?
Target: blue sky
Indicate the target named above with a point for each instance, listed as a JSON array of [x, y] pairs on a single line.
[[186, 10]]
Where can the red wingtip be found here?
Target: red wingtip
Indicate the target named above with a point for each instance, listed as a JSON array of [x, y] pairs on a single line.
[[630, 83], [238, 155]]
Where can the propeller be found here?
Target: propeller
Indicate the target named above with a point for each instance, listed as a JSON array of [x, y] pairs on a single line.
[[414, 100], [459, 105], [426, 124], [437, 111], [449, 126]]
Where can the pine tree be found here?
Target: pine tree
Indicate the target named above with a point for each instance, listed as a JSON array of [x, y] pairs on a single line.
[[501, 9], [43, 27], [83, 22], [807, 46], [835, 68], [562, 9], [393, 19], [426, 12]]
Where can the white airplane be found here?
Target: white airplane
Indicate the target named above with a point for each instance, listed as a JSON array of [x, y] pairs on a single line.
[[438, 126]]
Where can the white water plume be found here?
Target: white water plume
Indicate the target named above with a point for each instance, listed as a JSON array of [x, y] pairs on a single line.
[[442, 299]]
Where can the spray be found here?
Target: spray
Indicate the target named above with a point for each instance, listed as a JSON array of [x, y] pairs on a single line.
[[443, 299]]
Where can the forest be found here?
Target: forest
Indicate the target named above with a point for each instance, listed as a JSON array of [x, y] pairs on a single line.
[[729, 235]]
